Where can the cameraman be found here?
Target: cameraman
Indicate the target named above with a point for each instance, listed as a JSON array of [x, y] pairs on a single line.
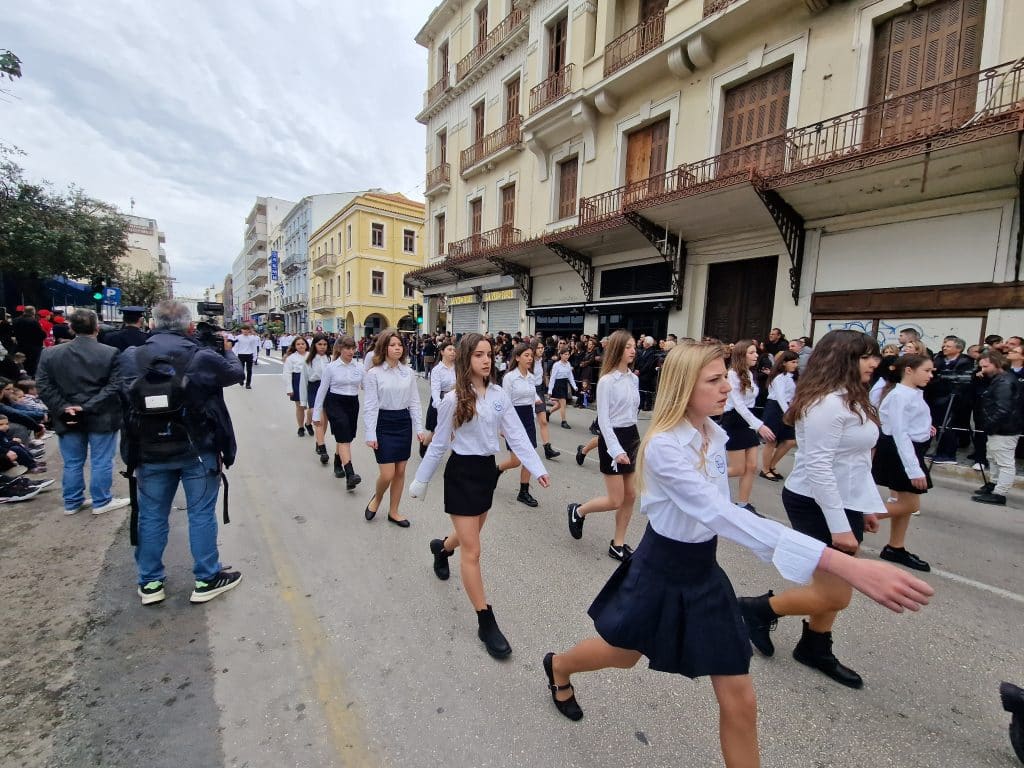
[[211, 445], [952, 383]]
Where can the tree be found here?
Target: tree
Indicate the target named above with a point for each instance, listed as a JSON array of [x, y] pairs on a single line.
[[47, 233], [10, 65], [140, 289]]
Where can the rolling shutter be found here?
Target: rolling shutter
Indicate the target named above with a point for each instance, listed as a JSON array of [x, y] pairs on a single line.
[[503, 316], [465, 318]]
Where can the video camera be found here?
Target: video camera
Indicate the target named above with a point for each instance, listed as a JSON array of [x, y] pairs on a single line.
[[208, 333]]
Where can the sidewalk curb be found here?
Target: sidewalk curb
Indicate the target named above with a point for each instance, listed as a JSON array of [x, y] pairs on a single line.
[[960, 477]]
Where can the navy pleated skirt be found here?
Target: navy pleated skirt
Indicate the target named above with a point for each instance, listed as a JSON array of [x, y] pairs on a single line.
[[673, 603], [296, 395], [526, 414], [469, 483], [394, 436], [342, 413], [887, 466], [741, 436], [312, 387]]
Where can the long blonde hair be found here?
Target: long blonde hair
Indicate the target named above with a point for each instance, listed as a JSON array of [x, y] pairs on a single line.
[[679, 375]]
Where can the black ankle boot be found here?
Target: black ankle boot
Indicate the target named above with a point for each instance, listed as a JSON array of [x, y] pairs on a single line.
[[815, 650], [549, 452], [339, 470], [524, 496], [760, 620], [441, 556], [322, 451], [352, 479], [495, 642]]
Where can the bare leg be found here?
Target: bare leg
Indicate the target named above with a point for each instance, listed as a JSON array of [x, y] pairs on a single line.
[[820, 601], [384, 478], [612, 500], [737, 720], [345, 452], [588, 656], [545, 435], [561, 409], [624, 512], [899, 510], [510, 463], [768, 457], [747, 478], [467, 536], [780, 451], [397, 485], [300, 415], [591, 445]]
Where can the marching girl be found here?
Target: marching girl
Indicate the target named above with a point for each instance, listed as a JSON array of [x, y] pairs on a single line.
[[906, 426], [671, 601], [618, 402], [518, 383], [442, 381], [294, 363], [391, 412], [541, 409], [560, 382], [468, 421], [338, 400], [742, 426], [312, 372], [829, 494], [781, 388]]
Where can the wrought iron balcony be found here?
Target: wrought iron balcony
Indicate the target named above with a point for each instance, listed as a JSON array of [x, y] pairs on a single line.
[[293, 264], [484, 242], [714, 6], [551, 89], [494, 38], [436, 91], [322, 303], [437, 178], [634, 43], [510, 134], [325, 264]]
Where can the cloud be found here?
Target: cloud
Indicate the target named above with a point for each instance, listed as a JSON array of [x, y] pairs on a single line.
[[195, 108]]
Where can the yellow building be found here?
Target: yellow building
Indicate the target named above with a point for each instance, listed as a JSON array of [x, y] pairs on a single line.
[[358, 261]]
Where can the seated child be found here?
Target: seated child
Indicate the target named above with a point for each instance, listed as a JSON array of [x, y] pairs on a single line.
[[31, 395], [14, 451]]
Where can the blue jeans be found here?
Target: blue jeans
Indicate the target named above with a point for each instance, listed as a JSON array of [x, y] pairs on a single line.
[[157, 485], [100, 447]]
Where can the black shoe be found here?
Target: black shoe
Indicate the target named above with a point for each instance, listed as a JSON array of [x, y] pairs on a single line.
[[525, 498], [351, 478], [903, 557], [400, 523], [222, 582], [441, 556], [248, 386], [986, 488], [575, 521], [492, 637], [565, 425], [990, 498], [322, 451], [815, 650], [309, 429], [549, 452], [368, 513], [595, 430], [760, 620], [751, 508], [580, 455], [302, 432], [570, 707], [339, 470], [622, 554]]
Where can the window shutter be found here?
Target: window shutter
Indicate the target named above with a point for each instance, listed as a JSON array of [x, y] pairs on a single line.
[[757, 110], [508, 206], [567, 173]]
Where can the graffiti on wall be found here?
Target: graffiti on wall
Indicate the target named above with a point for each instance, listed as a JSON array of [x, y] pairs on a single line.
[[932, 330]]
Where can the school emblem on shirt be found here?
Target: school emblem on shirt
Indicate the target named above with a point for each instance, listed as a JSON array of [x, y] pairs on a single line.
[[498, 407], [720, 463]]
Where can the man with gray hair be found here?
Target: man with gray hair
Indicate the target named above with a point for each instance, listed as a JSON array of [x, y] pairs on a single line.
[[950, 393], [191, 447], [80, 383]]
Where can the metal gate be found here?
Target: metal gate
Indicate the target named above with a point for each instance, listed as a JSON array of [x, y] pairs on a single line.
[[503, 316], [465, 318]]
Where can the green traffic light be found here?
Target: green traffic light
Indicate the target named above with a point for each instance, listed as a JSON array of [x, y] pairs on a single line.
[[98, 296]]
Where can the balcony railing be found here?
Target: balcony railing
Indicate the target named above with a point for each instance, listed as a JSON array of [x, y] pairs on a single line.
[[957, 111], [292, 264], [550, 90], [323, 263], [438, 176], [484, 242], [436, 91], [510, 134], [634, 43], [322, 302], [714, 6], [494, 38]]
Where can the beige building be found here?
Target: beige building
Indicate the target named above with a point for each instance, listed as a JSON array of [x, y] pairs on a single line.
[[719, 167], [256, 270], [146, 251], [358, 260]]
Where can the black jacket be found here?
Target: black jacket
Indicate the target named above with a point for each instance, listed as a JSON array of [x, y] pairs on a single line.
[[81, 372], [208, 373], [129, 336], [29, 333], [1001, 405]]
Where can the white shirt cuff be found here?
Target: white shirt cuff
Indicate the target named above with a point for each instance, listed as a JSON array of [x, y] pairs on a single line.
[[797, 555]]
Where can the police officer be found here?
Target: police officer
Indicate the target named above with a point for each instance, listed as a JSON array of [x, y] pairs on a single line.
[[131, 333]]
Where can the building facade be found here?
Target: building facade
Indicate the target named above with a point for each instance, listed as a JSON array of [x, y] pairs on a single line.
[[228, 295], [146, 252], [358, 261], [260, 274], [720, 167], [308, 215]]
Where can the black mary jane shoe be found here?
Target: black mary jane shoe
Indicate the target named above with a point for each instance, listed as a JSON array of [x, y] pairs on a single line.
[[369, 513], [570, 707], [769, 475], [400, 523]]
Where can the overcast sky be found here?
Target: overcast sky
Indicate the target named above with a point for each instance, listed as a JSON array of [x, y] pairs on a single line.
[[193, 108]]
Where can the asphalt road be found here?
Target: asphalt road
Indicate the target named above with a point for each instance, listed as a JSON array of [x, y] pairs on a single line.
[[341, 648]]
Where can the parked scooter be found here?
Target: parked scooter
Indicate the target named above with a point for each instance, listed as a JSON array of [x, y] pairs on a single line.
[[1013, 701]]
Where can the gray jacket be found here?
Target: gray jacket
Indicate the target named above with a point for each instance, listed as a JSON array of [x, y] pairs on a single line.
[[81, 372]]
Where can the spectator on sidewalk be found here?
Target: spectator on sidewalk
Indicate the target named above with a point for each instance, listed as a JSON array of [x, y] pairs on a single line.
[[803, 352], [776, 343], [79, 382], [1001, 405], [30, 336], [950, 389]]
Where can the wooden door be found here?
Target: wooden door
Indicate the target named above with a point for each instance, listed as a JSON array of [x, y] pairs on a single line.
[[481, 24], [475, 216], [650, 8], [478, 122], [558, 38], [511, 99], [508, 211], [568, 171], [919, 50], [753, 113], [442, 61], [442, 147], [741, 296], [646, 156]]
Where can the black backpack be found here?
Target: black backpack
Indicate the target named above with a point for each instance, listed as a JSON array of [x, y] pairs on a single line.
[[158, 417]]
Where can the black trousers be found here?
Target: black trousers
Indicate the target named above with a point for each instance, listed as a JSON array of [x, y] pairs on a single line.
[[246, 361]]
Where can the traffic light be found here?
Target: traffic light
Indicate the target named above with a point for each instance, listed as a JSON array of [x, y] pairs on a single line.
[[97, 289], [416, 310]]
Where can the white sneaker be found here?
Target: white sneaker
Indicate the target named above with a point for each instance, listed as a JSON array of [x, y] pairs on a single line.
[[84, 505], [111, 505]]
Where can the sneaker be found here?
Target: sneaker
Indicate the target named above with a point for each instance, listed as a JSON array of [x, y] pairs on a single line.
[[901, 556], [40, 485], [111, 505], [15, 491], [944, 460], [575, 521], [75, 510], [990, 498], [622, 554], [153, 592], [580, 455], [222, 582], [986, 488]]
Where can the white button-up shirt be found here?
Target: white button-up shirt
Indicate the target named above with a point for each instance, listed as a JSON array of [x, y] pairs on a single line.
[[389, 388], [538, 372], [341, 378], [479, 436], [520, 387], [561, 370], [295, 363], [246, 345], [833, 461], [782, 389], [618, 401], [314, 371], [686, 498], [906, 417], [742, 401], [442, 381]]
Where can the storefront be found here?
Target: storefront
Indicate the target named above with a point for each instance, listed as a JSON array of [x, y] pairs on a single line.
[[557, 321], [503, 308], [464, 312]]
